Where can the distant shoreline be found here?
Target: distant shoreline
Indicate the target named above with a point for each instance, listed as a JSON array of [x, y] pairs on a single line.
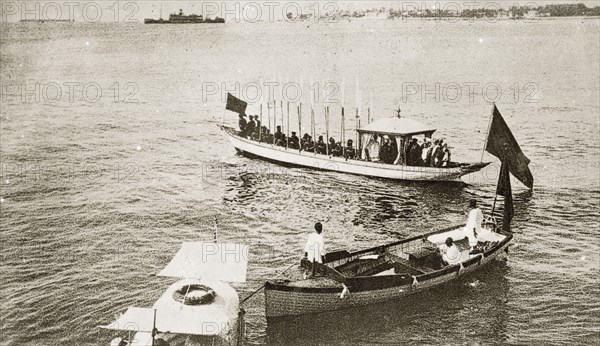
[[338, 20]]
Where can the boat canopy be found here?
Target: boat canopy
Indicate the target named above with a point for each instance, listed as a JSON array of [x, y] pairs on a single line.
[[397, 126], [209, 261], [184, 321]]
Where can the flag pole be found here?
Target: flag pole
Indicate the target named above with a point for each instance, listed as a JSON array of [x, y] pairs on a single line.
[[312, 120], [357, 126], [343, 135], [268, 114], [488, 131], [327, 128], [274, 120], [299, 123], [153, 327], [261, 124]]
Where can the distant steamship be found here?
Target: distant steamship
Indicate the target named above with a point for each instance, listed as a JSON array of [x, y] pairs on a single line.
[[180, 18]]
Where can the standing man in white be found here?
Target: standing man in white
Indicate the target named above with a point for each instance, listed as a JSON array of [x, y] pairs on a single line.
[[473, 227], [314, 250]]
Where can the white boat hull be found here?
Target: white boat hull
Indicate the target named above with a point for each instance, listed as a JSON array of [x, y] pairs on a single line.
[[338, 164]]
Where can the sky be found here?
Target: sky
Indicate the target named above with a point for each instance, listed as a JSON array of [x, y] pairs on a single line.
[[135, 10]]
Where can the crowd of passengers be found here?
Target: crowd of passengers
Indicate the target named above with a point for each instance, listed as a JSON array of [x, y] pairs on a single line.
[[429, 154]]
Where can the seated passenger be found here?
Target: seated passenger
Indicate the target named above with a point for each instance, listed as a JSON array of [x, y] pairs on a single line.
[[435, 149], [242, 123], [414, 153], [385, 152], [294, 141], [446, 158], [321, 147], [450, 253], [304, 141], [440, 154], [372, 149], [278, 134], [426, 155], [350, 152], [266, 136], [281, 141], [335, 148], [331, 145], [258, 124], [249, 127]]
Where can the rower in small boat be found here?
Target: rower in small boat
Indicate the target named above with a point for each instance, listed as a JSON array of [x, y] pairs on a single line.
[[314, 250]]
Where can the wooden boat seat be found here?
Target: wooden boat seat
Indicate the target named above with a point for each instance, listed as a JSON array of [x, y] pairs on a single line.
[[405, 266], [363, 266]]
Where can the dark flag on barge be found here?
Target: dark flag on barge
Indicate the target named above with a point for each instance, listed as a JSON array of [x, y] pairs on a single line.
[[502, 144], [236, 105]]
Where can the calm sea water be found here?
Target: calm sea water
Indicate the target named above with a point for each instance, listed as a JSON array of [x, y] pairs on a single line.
[[98, 192]]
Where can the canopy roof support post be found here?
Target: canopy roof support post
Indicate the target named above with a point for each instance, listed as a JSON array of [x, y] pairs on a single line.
[[288, 125]]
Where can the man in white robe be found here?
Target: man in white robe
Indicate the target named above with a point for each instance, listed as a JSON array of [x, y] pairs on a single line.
[[314, 250], [372, 149], [473, 227]]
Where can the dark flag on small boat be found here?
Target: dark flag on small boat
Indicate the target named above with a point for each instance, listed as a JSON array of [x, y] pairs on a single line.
[[504, 189], [236, 105], [502, 144]]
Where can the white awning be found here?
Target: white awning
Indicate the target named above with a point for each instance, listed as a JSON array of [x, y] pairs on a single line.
[[171, 321], [209, 261], [397, 127]]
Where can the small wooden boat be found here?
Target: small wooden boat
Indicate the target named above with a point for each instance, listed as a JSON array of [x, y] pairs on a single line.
[[387, 272], [399, 130], [201, 309], [404, 267]]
